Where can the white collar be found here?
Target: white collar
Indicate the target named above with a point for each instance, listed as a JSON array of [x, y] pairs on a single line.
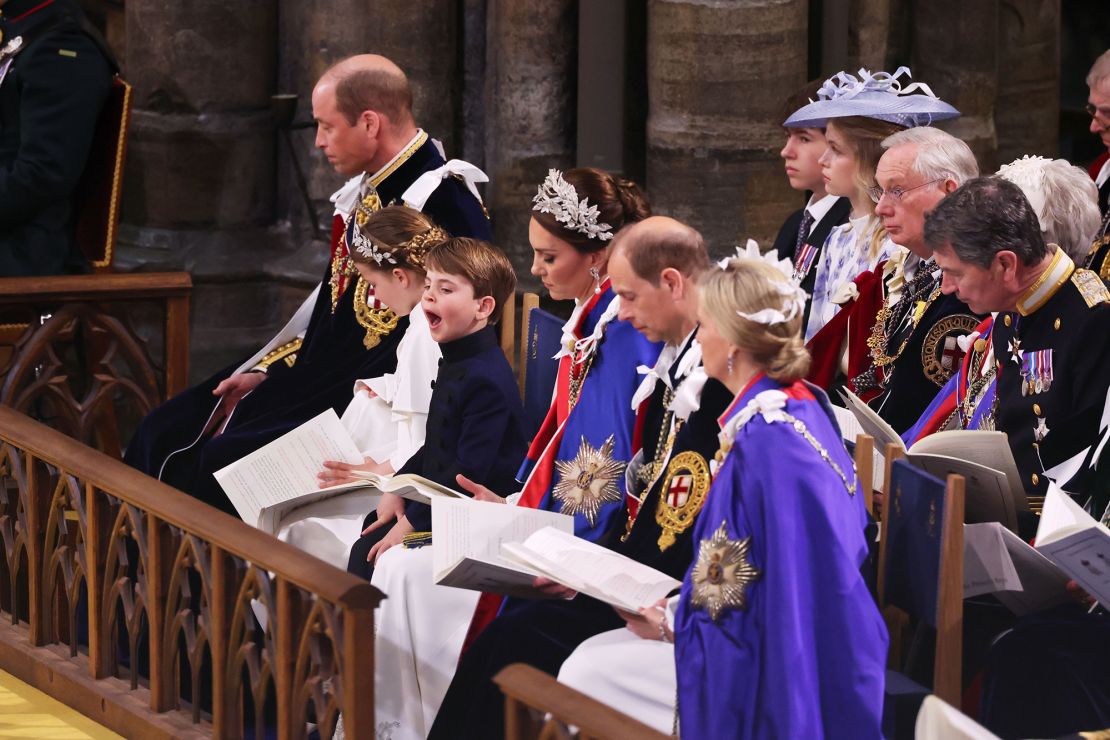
[[820, 208], [403, 152]]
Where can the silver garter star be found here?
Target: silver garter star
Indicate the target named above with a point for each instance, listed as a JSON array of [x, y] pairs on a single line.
[[1017, 354], [723, 573], [589, 480]]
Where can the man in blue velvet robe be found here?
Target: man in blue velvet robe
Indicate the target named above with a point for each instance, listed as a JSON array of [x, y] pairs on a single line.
[[363, 110]]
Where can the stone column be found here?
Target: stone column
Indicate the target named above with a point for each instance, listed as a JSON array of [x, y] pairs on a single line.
[[717, 77], [529, 111], [955, 52], [201, 148], [1027, 114]]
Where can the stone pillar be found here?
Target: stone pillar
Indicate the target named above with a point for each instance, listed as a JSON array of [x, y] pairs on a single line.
[[529, 111], [717, 77], [201, 148], [869, 34], [955, 52], [1027, 114]]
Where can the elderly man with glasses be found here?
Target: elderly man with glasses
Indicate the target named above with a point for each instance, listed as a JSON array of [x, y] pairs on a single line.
[[1098, 107], [902, 335]]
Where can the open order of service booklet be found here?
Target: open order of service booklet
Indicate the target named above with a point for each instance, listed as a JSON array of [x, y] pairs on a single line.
[[592, 569], [468, 537], [997, 561], [1074, 541], [1070, 545], [267, 484], [993, 485]]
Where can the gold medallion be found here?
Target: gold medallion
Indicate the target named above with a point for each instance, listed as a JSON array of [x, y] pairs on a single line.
[[722, 574], [681, 496], [940, 352], [589, 480]]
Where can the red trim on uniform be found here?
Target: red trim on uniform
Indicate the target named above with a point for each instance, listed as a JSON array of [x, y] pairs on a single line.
[[33, 10]]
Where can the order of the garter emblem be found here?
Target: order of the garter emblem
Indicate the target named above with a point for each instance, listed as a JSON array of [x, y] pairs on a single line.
[[589, 480], [722, 574]]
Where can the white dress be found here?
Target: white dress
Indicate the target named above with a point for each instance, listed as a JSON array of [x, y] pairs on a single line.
[[389, 425], [419, 636], [633, 675]]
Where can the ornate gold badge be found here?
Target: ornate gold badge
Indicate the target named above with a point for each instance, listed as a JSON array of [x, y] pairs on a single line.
[[685, 485], [589, 480], [940, 352], [377, 320], [722, 574]]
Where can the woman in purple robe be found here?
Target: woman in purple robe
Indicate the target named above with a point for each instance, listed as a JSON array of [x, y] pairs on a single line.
[[776, 633]]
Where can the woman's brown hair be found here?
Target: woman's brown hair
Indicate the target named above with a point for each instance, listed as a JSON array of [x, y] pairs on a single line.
[[619, 202]]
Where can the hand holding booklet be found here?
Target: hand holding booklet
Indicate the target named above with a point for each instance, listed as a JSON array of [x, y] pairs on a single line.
[[591, 569], [267, 484]]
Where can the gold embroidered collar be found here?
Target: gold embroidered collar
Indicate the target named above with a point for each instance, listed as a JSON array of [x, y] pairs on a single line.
[[1050, 281], [403, 156]]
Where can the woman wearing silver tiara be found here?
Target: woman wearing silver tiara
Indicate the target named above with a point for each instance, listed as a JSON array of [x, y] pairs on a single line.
[[421, 626], [858, 113], [776, 633]]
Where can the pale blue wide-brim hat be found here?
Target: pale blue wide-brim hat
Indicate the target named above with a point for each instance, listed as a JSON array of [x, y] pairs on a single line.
[[873, 95]]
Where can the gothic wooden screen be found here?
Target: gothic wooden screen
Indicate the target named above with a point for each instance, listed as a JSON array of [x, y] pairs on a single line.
[[159, 616]]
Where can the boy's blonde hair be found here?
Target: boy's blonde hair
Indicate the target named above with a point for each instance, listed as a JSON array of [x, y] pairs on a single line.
[[483, 265]]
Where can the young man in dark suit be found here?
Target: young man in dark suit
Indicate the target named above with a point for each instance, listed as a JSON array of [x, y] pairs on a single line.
[[803, 234]]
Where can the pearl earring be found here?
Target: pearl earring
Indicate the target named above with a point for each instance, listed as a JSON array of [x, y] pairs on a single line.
[[729, 365], [596, 275]]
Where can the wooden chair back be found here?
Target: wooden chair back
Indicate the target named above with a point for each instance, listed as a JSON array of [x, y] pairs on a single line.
[[537, 707], [921, 566], [97, 196]]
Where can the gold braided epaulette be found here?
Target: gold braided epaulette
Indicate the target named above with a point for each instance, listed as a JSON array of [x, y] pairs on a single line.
[[415, 540], [286, 352], [1091, 287]]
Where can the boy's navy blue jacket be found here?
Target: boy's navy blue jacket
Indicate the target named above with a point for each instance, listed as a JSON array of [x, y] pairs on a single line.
[[475, 422]]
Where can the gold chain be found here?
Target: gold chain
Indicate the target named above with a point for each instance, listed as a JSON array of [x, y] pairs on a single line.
[[878, 339]]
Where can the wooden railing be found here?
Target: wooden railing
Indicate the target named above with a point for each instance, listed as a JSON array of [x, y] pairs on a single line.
[[158, 616], [538, 706], [66, 356]]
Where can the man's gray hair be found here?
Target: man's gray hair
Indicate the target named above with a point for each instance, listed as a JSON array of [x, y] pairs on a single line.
[[1066, 202], [940, 156], [1100, 70]]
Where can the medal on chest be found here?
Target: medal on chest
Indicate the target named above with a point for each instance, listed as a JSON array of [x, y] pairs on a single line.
[[722, 574], [685, 486], [588, 481]]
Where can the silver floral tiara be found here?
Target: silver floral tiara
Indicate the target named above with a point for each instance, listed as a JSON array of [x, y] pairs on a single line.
[[370, 251], [559, 198]]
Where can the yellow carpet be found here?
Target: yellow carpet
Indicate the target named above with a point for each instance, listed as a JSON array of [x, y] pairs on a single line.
[[26, 712]]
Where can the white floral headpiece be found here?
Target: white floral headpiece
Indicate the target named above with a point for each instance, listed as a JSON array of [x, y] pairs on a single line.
[[794, 298], [559, 198]]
